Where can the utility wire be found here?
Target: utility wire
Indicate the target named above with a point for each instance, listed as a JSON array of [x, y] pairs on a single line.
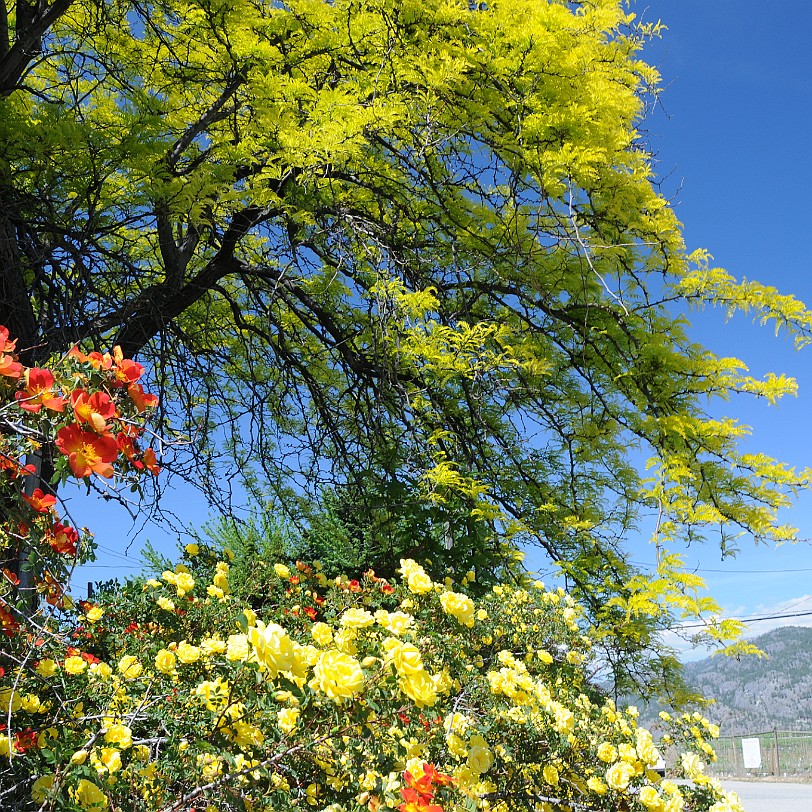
[[747, 620]]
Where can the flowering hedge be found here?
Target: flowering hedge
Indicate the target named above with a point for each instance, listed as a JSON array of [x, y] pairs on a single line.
[[172, 694]]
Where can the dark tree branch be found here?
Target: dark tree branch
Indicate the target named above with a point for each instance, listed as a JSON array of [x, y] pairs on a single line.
[[33, 21]]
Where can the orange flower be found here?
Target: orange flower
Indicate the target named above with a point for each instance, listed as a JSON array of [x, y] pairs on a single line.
[[430, 771], [41, 502], [419, 792], [151, 462], [97, 360], [38, 392], [5, 344], [87, 452], [140, 398], [9, 367], [414, 802], [93, 409], [126, 444], [75, 352], [127, 371], [8, 624], [63, 539], [25, 740], [54, 591], [11, 577]]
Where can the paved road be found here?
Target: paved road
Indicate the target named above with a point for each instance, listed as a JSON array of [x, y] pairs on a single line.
[[760, 796]]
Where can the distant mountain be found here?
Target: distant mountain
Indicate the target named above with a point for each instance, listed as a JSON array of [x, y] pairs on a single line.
[[754, 695]]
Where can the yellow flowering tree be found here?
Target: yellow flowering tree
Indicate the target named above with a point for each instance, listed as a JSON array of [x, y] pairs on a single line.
[[171, 694]]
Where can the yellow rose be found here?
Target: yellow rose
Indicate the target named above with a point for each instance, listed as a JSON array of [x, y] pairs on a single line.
[[287, 719], [89, 796], [692, 766], [338, 675], [79, 757], [564, 721], [106, 760], [192, 550], [187, 653], [396, 623], [215, 693], [166, 603], [165, 661], [550, 774], [184, 583], [95, 614], [405, 656], [480, 758], [419, 583], [596, 785], [456, 746], [129, 667], [345, 641], [420, 688], [619, 775], [41, 787], [646, 749], [210, 765], [75, 665], [46, 668], [238, 648], [212, 645], [322, 633], [306, 655], [119, 734], [458, 606], [281, 570], [357, 618], [606, 752], [650, 798], [31, 703], [101, 670], [456, 722], [416, 578], [273, 647], [46, 737]]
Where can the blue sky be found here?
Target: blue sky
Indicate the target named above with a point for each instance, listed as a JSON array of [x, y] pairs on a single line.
[[732, 137]]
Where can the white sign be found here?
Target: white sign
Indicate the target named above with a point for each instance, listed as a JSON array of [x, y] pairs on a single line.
[[751, 753]]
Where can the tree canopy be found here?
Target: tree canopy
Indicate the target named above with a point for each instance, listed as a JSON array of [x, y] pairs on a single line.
[[401, 247]]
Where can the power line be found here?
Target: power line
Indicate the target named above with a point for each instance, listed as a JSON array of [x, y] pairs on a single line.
[[650, 566], [748, 620], [112, 566]]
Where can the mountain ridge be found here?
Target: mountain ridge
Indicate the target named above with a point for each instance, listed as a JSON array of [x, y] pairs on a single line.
[[755, 694]]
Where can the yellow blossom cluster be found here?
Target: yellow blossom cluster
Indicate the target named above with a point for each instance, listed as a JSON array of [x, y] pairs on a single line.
[[328, 695]]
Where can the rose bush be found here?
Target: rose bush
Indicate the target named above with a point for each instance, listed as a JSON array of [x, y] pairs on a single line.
[[315, 702]]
